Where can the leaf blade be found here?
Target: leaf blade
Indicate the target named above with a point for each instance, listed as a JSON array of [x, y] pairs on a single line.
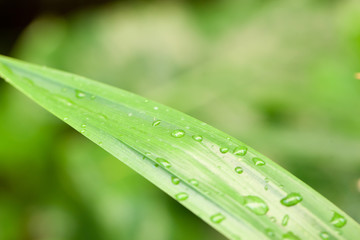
[[144, 134]]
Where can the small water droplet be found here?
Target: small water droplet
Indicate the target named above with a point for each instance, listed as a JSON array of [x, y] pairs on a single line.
[[83, 125], [270, 232], [92, 97], [291, 199], [79, 94], [194, 182], [83, 131], [266, 187], [103, 116], [239, 170], [66, 118], [100, 143], [155, 123], [181, 196], [224, 150], [258, 161], [130, 114], [273, 219], [285, 220], [178, 133], [175, 180], [197, 138], [240, 151], [256, 205], [267, 179], [324, 235], [156, 108], [163, 162], [217, 218], [338, 220], [146, 100], [290, 236]]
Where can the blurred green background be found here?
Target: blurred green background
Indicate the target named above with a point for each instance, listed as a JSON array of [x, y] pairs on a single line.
[[276, 74]]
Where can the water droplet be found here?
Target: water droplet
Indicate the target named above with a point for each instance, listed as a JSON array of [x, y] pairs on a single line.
[[239, 170], [155, 123], [217, 218], [324, 235], [256, 205], [240, 151], [83, 125], [178, 133], [266, 187], [338, 220], [146, 100], [163, 162], [224, 150], [102, 116], [273, 219], [130, 114], [83, 131], [92, 97], [156, 108], [291, 199], [66, 118], [270, 232], [181, 196], [258, 161], [194, 182], [79, 94], [100, 143], [175, 180], [197, 138], [285, 220], [290, 236]]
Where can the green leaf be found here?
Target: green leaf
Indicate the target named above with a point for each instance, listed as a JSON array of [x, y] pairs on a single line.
[[235, 189]]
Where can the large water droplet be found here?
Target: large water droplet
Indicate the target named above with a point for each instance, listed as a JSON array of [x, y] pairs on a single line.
[[324, 235], [256, 205], [157, 122], [239, 170], [217, 218], [285, 220], [175, 180], [240, 151], [290, 236], [163, 162], [224, 149], [291, 199], [181, 196], [338, 220], [258, 161], [79, 94], [178, 133], [197, 138]]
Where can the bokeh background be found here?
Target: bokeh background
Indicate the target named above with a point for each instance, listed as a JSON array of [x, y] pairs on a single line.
[[276, 74]]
